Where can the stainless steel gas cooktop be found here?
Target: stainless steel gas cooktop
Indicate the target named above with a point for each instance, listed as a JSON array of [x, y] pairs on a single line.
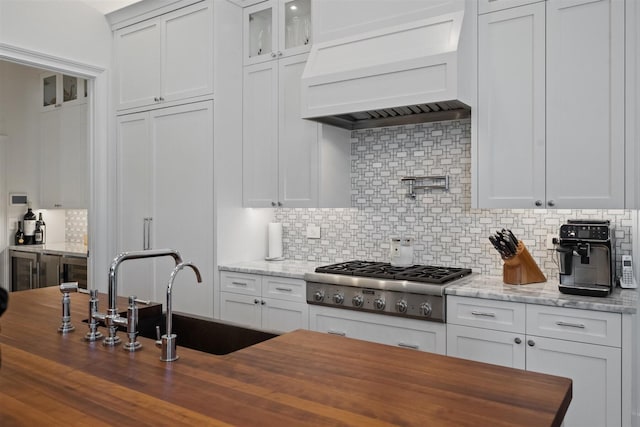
[[416, 291]]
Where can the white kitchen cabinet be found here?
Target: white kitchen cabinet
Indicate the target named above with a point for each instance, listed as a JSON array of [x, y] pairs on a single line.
[[289, 161], [539, 65], [276, 29], [401, 332], [163, 204], [58, 89], [582, 345], [64, 175], [511, 107], [267, 302], [585, 67], [165, 59]]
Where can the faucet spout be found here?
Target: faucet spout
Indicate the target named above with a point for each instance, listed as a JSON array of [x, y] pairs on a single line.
[[168, 341], [112, 318], [113, 270]]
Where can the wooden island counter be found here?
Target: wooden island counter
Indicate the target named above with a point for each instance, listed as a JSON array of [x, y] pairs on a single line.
[[300, 378]]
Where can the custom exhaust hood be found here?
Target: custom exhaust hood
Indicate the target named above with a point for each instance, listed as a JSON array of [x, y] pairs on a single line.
[[409, 73]]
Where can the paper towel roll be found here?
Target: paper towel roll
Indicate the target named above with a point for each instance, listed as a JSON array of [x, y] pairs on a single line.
[[275, 240]]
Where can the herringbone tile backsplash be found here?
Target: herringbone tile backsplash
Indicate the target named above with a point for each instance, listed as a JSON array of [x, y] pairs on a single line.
[[447, 231]]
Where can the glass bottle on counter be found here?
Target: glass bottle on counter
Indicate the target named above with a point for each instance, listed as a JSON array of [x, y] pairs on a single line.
[[29, 227], [37, 234], [19, 239], [43, 227]]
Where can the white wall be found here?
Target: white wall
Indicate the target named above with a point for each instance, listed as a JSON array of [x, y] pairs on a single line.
[[62, 28], [241, 234], [19, 120], [66, 35]]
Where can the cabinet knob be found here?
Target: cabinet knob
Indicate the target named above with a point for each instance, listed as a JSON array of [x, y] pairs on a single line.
[[531, 343], [155, 98], [263, 302], [551, 203], [279, 53], [517, 340], [255, 301], [279, 203], [161, 98], [273, 203], [538, 202], [273, 54]]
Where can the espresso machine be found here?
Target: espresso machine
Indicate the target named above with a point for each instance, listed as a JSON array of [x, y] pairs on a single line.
[[586, 258]]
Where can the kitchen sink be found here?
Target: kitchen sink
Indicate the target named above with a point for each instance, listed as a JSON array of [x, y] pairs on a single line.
[[210, 336]]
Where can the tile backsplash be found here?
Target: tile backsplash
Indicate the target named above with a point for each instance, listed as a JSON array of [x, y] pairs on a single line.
[[447, 231], [75, 225]]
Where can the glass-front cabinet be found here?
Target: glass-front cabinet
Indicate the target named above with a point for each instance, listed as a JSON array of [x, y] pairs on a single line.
[[57, 89], [275, 29]]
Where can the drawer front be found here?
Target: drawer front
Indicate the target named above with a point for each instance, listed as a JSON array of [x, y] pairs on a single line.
[[406, 333], [284, 288], [489, 314], [595, 327], [240, 283]]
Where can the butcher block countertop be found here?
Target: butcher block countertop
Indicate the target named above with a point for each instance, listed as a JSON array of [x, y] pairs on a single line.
[[300, 378]]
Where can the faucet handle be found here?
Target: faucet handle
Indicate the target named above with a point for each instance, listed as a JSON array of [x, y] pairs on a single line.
[[67, 288], [132, 326], [94, 334], [158, 337]]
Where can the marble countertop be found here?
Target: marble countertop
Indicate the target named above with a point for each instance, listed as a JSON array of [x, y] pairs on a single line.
[[476, 286], [67, 249], [286, 268], [547, 293]]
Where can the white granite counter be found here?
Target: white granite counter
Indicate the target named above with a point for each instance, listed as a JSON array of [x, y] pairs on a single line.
[[66, 249], [286, 268], [476, 286], [547, 293]]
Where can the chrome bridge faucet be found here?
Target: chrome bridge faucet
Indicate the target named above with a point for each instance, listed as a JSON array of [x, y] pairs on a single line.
[[112, 319], [167, 342]]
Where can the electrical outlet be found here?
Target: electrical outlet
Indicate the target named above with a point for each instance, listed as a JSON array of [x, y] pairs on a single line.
[[550, 239], [313, 231]]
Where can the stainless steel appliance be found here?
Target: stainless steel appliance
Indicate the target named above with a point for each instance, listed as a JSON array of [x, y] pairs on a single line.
[[416, 291], [586, 257]]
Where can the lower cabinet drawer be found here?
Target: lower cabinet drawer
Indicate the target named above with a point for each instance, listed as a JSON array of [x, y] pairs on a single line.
[[594, 327], [407, 333], [483, 313], [241, 283]]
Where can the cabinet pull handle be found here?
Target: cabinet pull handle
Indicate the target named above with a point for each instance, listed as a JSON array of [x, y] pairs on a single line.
[[339, 333], [30, 274], [483, 313], [284, 289], [405, 345], [239, 283], [571, 325]]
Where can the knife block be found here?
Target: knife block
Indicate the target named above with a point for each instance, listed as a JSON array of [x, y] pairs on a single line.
[[521, 269]]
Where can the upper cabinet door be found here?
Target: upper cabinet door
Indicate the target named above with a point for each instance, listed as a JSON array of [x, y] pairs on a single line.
[[585, 103], [511, 107], [187, 52], [298, 140], [294, 29], [260, 136], [260, 32], [138, 63], [276, 29]]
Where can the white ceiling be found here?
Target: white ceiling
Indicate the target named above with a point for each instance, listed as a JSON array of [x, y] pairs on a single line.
[[108, 6]]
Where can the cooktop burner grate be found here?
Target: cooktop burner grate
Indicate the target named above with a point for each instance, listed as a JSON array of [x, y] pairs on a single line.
[[383, 270]]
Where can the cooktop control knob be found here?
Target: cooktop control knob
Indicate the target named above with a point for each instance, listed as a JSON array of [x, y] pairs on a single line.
[[319, 295], [401, 306], [378, 303], [425, 309], [357, 301], [338, 298]]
